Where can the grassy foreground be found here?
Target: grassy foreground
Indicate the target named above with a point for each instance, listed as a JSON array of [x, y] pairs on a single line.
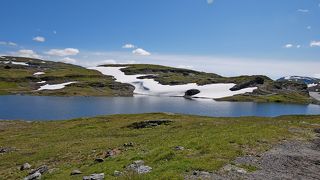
[[209, 143]]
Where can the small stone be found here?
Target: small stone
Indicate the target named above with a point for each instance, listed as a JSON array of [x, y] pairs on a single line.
[[25, 166], [112, 153], [94, 177], [75, 172], [34, 176], [130, 144], [179, 148], [99, 160], [117, 173]]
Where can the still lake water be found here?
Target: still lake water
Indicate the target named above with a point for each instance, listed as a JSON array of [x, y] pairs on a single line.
[[59, 108]]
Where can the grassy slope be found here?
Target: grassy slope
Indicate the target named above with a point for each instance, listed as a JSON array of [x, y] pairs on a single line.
[[293, 98], [210, 143], [170, 75], [20, 80]]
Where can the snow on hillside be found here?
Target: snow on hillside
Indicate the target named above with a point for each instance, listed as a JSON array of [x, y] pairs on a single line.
[[151, 87]]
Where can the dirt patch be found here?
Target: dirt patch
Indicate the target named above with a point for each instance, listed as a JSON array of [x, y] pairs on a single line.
[[288, 160], [149, 124]]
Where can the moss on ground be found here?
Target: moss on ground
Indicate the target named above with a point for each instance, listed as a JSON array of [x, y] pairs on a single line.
[[18, 79], [209, 143]]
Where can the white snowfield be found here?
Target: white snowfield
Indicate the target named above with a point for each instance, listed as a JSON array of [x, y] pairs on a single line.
[[151, 87], [55, 86], [38, 73]]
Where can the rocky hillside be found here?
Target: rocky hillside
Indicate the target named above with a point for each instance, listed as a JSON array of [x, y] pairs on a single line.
[[26, 76], [39, 77], [267, 89]]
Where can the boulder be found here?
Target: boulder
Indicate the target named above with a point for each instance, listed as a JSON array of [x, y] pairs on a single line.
[[25, 166], [34, 176], [94, 177], [42, 169], [75, 172], [139, 167], [191, 92], [99, 160]]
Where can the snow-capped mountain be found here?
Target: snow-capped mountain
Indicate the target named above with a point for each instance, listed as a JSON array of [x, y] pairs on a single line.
[[310, 81]]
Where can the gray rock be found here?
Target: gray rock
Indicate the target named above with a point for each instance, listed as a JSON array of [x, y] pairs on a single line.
[[25, 166], [117, 173], [6, 150], [75, 172], [34, 176], [179, 148], [42, 169], [94, 177], [233, 168], [139, 167], [129, 144]]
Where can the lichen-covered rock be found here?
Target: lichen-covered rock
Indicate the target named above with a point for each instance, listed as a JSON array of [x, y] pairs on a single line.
[[139, 167], [34, 176], [94, 177], [25, 166]]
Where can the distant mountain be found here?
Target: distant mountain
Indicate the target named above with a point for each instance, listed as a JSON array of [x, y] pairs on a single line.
[[301, 79]]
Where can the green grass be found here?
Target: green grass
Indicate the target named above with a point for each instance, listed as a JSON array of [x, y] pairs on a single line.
[[20, 80], [293, 98], [209, 143]]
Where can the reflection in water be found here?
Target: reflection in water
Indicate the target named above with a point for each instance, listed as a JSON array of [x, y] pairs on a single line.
[[56, 108]]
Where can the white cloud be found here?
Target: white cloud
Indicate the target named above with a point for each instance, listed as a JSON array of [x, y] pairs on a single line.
[[298, 46], [141, 52], [4, 43], [303, 10], [210, 1], [69, 60], [288, 46], [39, 39], [128, 46], [28, 53], [63, 52], [315, 43]]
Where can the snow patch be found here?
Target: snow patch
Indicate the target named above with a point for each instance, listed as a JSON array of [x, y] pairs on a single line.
[[16, 63], [41, 82], [55, 86], [38, 73], [312, 85], [152, 87]]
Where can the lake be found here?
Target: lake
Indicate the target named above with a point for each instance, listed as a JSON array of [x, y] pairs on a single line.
[[17, 107]]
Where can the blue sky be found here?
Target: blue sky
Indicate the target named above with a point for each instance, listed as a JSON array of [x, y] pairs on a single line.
[[230, 37]]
